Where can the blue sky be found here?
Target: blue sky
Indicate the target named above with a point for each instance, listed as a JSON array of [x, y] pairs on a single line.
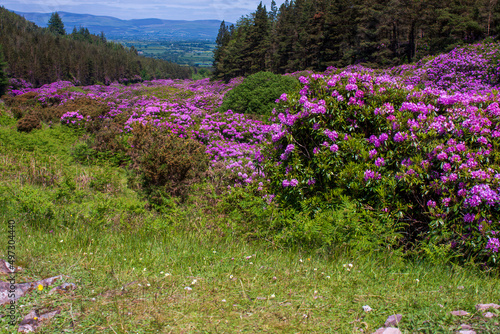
[[229, 10]]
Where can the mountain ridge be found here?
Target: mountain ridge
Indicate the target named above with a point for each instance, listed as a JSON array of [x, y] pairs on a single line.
[[134, 29]]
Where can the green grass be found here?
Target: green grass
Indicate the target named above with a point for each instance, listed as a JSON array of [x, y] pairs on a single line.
[[272, 291], [132, 266]]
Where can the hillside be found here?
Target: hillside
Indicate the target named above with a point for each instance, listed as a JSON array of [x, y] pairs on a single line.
[[40, 57], [313, 35], [341, 201], [139, 29]]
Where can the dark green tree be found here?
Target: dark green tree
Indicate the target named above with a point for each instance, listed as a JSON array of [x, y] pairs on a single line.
[[4, 81], [221, 41], [56, 25], [258, 40]]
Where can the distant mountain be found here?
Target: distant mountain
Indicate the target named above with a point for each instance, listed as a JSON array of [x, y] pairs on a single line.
[[139, 29]]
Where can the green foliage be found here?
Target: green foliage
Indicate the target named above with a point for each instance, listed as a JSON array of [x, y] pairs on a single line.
[[258, 93], [56, 25], [168, 165]]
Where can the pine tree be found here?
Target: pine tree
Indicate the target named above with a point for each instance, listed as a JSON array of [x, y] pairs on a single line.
[[4, 81], [259, 40], [222, 39], [56, 25], [273, 13]]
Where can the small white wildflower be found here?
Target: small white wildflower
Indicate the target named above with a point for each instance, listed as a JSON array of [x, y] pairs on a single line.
[[248, 257], [148, 284], [300, 260], [61, 241], [139, 284], [327, 276], [367, 308], [273, 296], [187, 288], [144, 269], [194, 282], [167, 274], [214, 252], [350, 265], [161, 272], [251, 262], [230, 276], [223, 300]]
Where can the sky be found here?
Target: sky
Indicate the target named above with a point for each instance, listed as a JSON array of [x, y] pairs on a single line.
[[228, 10]]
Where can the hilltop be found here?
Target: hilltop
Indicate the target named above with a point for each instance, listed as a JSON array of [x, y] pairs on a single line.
[[138, 29]]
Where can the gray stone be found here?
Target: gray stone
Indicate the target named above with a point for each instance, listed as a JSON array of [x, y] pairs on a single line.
[[387, 330], [32, 320], [484, 307], [490, 315], [393, 320], [459, 313]]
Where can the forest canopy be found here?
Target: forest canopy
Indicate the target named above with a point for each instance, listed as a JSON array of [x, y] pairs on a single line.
[[44, 55], [316, 34]]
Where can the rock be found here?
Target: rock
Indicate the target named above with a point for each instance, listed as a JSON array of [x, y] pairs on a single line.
[[32, 320], [490, 315], [387, 330], [484, 307], [466, 331], [62, 288], [465, 326], [393, 320], [367, 308], [7, 268], [22, 289], [459, 313]]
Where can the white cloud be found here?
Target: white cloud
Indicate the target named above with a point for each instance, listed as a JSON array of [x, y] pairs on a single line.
[[229, 10]]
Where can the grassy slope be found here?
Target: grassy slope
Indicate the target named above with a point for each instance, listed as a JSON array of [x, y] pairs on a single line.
[[83, 221]]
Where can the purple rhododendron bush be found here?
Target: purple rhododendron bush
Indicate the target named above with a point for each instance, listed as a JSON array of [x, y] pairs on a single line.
[[406, 156], [423, 156]]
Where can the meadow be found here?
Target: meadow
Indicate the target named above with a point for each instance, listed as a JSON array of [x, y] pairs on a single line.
[[313, 202]]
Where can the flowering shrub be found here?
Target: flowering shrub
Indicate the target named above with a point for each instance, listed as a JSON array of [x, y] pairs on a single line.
[[428, 159], [411, 150], [73, 118]]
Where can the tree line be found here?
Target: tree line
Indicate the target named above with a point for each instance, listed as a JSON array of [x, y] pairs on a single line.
[[315, 34], [44, 55]]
